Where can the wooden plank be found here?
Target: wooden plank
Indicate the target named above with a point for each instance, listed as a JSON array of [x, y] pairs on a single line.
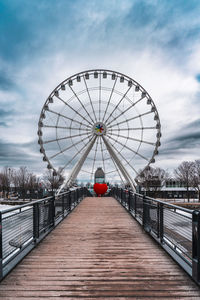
[[98, 252]]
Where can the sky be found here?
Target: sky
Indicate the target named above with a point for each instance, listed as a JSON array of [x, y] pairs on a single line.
[[43, 42]]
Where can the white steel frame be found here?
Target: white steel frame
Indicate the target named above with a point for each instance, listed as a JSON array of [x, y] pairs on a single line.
[[115, 121]]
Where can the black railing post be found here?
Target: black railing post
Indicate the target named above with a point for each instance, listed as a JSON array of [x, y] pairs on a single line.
[[161, 222], [53, 209], [1, 249], [74, 199], [135, 204], [196, 245], [158, 220], [129, 200], [144, 214], [35, 221], [76, 196], [63, 204], [70, 201]]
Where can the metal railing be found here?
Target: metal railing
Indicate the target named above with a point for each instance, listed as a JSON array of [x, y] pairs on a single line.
[[175, 228], [23, 227]]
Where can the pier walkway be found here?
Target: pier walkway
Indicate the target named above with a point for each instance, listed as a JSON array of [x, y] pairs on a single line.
[[98, 252]]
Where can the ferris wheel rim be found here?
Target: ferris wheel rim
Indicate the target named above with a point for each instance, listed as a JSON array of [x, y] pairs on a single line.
[[58, 87]]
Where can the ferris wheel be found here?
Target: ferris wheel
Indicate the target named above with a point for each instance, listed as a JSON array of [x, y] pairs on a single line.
[[99, 118]]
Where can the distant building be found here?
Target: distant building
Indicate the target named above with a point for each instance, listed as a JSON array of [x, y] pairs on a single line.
[[170, 189], [99, 176], [177, 189]]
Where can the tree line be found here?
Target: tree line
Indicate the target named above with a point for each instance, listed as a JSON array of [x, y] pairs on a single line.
[[22, 181], [187, 173]]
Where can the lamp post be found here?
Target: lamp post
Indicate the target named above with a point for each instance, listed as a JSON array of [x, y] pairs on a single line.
[[9, 171]]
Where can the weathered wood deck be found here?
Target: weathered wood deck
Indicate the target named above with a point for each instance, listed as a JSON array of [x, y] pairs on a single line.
[[98, 251]]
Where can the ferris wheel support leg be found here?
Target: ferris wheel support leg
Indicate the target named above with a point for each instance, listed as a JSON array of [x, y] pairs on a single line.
[[123, 170], [74, 173]]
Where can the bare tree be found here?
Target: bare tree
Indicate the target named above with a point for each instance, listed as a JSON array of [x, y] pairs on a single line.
[[23, 178], [196, 177], [53, 180], [184, 173], [152, 179], [1, 184], [32, 183], [15, 179], [5, 180]]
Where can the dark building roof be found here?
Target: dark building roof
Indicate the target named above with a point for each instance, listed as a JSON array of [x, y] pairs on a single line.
[[99, 173]]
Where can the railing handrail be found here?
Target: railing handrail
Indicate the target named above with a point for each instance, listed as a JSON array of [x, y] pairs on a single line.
[[33, 202], [168, 226], [166, 203], [29, 226]]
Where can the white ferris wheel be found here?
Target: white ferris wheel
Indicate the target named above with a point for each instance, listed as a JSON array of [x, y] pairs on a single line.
[[99, 118]]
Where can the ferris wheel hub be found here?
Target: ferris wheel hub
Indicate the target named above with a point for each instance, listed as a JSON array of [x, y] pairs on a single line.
[[99, 129]]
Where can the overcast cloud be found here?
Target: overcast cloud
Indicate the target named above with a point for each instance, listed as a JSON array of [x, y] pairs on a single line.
[[42, 42]]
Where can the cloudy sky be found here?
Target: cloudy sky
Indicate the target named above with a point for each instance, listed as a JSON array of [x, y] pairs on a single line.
[[156, 42]]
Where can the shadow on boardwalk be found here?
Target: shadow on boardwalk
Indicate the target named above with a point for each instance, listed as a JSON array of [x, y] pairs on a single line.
[[98, 251]]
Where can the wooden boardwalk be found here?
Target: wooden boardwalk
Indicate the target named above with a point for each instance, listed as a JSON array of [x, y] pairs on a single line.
[[98, 252]]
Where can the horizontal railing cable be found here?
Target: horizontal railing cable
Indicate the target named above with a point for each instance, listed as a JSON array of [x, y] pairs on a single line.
[[175, 228], [23, 226]]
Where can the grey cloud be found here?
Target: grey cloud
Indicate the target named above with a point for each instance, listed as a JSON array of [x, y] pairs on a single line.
[[3, 124], [5, 113], [6, 83], [194, 125], [77, 23], [15, 155], [5, 116], [187, 138]]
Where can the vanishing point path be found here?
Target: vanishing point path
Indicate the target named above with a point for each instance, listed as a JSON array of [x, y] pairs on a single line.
[[98, 252]]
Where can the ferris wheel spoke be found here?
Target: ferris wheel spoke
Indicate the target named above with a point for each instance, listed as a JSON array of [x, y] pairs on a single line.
[[113, 88], [116, 168], [133, 139], [95, 155], [71, 146], [136, 117], [78, 152], [81, 104], [125, 159], [135, 152], [63, 127], [70, 119], [64, 138], [51, 117], [120, 165], [118, 104], [99, 96], [85, 171], [102, 156], [78, 165], [128, 129], [90, 98], [125, 111], [73, 109]]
